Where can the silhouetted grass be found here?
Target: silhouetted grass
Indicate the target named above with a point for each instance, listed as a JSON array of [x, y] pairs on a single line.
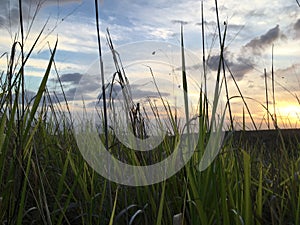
[[45, 180]]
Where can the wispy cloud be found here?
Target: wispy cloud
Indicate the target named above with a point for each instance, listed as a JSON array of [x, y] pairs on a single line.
[[9, 10]]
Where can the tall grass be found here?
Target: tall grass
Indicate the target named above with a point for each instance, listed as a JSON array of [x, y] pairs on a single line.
[[45, 180]]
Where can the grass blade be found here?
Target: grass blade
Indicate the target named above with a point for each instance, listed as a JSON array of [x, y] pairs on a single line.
[[161, 205], [247, 189], [40, 93], [112, 216], [259, 196]]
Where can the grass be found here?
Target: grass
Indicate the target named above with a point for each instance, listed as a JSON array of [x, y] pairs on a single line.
[[45, 180]]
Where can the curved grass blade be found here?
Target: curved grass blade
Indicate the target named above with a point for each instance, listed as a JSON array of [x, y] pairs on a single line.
[[40, 92]]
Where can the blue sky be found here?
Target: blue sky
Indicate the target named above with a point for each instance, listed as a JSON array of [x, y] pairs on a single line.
[[253, 26]]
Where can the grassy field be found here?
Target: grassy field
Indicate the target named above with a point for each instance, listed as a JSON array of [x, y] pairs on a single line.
[[45, 180]]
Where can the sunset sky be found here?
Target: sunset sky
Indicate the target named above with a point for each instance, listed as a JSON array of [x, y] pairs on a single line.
[[152, 29]]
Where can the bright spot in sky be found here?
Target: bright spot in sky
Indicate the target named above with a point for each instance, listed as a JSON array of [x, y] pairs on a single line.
[[288, 114]]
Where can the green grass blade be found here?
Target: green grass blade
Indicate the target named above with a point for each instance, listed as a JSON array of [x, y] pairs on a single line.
[[259, 196], [62, 180], [112, 216], [161, 205], [23, 193], [297, 219], [247, 189], [224, 201], [40, 92], [2, 128]]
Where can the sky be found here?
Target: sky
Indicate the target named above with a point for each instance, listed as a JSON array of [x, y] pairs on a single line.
[[147, 33]]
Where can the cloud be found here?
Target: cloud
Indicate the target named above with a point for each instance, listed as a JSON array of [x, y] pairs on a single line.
[[9, 13], [241, 67], [139, 92], [260, 43], [235, 27], [220, 8], [194, 67], [73, 78], [289, 72], [51, 2], [297, 25], [297, 28], [244, 61], [213, 62], [157, 19], [161, 33], [9, 10], [238, 65], [207, 23], [179, 22], [78, 87], [58, 96], [29, 96]]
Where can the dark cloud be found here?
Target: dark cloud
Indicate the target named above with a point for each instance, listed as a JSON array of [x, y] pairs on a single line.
[[56, 97], [71, 78], [260, 43], [77, 86], [239, 66], [112, 91], [297, 25], [2, 21], [213, 62], [297, 28], [240, 69], [87, 87], [70, 93], [138, 92]]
